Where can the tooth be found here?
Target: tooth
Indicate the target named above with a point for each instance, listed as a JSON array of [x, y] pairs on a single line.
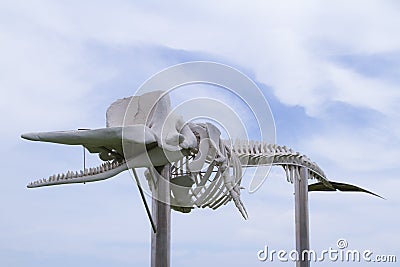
[[101, 168], [76, 174], [44, 180], [58, 177], [85, 172]]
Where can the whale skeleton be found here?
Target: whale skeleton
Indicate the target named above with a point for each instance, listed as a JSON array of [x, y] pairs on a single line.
[[143, 132]]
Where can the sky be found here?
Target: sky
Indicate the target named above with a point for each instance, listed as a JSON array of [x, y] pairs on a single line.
[[329, 70]]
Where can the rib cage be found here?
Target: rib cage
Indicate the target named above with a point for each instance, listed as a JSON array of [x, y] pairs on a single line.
[[210, 190]]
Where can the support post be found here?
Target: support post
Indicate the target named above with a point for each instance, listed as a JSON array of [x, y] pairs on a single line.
[[301, 216], [161, 210]]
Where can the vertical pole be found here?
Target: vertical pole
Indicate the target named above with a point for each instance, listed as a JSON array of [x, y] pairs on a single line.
[[161, 239], [301, 216], [84, 158]]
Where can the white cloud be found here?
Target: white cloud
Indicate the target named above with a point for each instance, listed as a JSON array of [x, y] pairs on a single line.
[[365, 92], [288, 44], [354, 150]]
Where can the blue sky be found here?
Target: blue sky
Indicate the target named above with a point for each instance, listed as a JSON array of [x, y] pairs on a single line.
[[330, 72]]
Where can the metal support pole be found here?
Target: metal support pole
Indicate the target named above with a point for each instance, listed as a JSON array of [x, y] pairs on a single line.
[[301, 216], [160, 241]]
